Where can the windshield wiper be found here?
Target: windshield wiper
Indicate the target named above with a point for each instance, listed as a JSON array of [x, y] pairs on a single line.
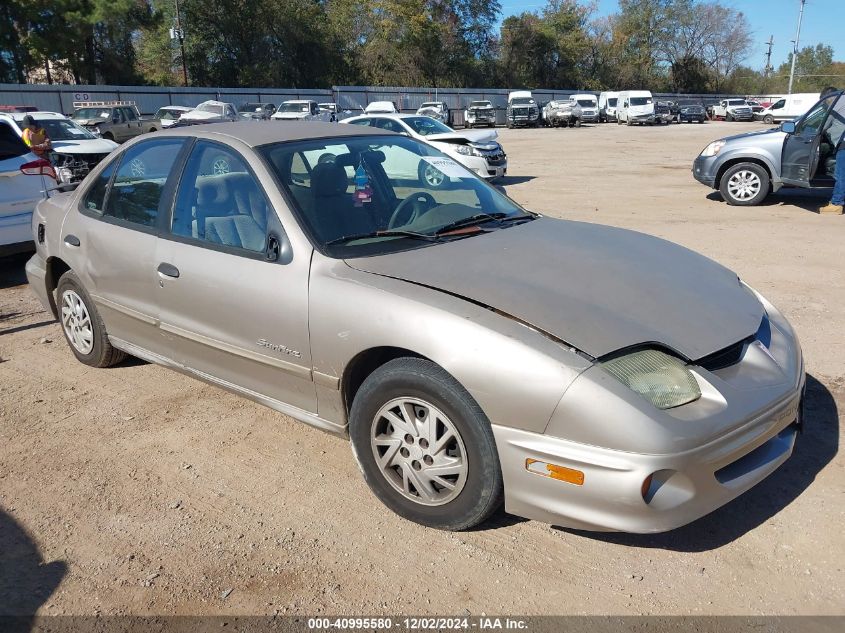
[[384, 233], [481, 218]]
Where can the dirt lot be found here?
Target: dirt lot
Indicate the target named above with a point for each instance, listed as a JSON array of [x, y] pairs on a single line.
[[136, 490]]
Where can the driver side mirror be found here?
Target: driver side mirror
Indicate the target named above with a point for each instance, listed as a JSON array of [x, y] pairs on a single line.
[[788, 127]]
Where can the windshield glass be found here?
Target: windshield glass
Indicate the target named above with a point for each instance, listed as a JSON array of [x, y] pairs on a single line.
[[61, 129], [424, 126], [294, 107], [210, 107], [612, 102], [358, 186], [480, 104], [587, 103], [431, 105], [640, 101], [167, 114], [522, 101], [250, 107], [92, 113], [736, 102]]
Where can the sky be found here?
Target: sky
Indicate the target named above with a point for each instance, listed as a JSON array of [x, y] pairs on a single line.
[[823, 24]]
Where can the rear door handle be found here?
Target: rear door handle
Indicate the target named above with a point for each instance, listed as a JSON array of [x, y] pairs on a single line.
[[168, 270], [72, 240]]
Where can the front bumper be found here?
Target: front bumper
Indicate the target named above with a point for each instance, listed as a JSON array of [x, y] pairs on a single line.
[[484, 167], [686, 485], [704, 170]]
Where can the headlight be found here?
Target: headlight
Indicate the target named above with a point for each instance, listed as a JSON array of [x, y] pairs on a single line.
[[466, 150], [713, 149], [661, 379], [64, 175]]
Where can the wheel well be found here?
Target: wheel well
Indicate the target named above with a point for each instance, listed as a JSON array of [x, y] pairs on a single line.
[[364, 364], [736, 161], [56, 267]]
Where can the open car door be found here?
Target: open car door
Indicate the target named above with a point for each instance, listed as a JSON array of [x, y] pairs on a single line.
[[801, 149]]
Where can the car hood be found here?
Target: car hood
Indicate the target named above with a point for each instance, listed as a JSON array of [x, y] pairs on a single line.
[[464, 136], [200, 115], [599, 288], [86, 146], [90, 122], [290, 115], [774, 135]]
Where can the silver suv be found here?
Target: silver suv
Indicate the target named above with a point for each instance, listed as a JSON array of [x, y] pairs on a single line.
[[323, 276]]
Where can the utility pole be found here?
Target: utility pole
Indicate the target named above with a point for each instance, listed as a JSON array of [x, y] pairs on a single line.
[[795, 46], [768, 69], [177, 33]]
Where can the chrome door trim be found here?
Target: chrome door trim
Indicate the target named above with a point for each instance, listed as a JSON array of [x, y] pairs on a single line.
[[292, 368]]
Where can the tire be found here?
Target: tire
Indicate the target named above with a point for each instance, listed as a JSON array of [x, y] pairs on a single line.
[[82, 326], [152, 129], [729, 117], [577, 122], [108, 136], [420, 388], [509, 125], [618, 121], [744, 184], [432, 176], [768, 119]]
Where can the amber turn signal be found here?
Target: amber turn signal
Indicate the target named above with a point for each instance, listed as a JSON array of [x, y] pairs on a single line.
[[561, 473]]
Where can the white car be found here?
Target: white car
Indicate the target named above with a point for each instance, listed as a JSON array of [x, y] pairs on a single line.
[[211, 111], [381, 107], [168, 115], [477, 150], [299, 110], [436, 110], [76, 151], [23, 180]]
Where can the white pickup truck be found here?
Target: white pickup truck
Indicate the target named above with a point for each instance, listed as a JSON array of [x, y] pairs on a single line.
[[733, 110]]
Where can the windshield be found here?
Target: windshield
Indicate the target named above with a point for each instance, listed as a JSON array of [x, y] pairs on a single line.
[[294, 107], [587, 103], [522, 101], [61, 129], [358, 186], [210, 107], [612, 102], [167, 114], [437, 106], [251, 107], [640, 101], [736, 102], [327, 107], [424, 125], [480, 104], [92, 113]]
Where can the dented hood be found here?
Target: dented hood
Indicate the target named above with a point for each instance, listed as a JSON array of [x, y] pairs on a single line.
[[465, 136], [596, 287]]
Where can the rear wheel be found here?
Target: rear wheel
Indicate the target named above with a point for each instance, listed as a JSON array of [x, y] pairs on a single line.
[[82, 326], [768, 119], [425, 447], [745, 184]]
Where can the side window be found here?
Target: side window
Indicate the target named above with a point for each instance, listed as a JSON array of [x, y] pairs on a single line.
[[135, 194], [95, 198], [363, 122], [813, 120], [130, 114], [220, 201], [779, 104]]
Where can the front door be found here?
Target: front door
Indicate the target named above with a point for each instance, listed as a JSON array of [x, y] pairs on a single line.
[[233, 298], [801, 149], [111, 242]]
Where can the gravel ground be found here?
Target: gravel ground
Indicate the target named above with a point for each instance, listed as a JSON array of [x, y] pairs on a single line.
[[136, 490]]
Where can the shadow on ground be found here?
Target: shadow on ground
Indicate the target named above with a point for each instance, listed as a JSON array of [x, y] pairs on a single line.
[[814, 449], [26, 581], [12, 271], [806, 199], [513, 180]]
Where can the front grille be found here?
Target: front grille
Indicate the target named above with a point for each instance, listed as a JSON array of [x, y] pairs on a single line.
[[726, 357], [78, 164]]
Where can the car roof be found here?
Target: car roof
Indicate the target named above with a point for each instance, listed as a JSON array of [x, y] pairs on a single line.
[[257, 133], [38, 114]]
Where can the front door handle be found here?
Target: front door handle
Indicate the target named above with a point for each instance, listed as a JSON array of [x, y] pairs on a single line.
[[168, 269], [72, 240]]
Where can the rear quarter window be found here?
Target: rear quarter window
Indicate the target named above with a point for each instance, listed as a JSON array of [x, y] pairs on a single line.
[[11, 145]]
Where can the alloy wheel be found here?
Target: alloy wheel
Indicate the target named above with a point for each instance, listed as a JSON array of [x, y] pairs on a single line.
[[76, 322], [744, 185], [419, 451]]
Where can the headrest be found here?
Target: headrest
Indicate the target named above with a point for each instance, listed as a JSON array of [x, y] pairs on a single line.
[[328, 179], [212, 191]]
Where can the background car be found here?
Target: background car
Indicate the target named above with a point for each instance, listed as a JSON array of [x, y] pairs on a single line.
[[476, 150], [436, 110], [256, 111], [75, 150], [691, 112], [381, 107], [168, 115], [298, 110], [480, 113], [210, 111]]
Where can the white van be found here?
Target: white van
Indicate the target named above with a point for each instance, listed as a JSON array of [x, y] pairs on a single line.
[[607, 106], [789, 107], [589, 107], [635, 106]]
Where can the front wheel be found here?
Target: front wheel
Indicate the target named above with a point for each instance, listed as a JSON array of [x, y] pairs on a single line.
[[768, 119], [745, 184], [425, 447]]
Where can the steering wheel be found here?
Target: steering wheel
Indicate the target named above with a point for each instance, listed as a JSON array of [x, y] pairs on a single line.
[[413, 206]]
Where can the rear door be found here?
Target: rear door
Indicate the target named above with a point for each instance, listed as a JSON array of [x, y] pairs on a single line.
[[19, 192], [111, 241], [800, 157]]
